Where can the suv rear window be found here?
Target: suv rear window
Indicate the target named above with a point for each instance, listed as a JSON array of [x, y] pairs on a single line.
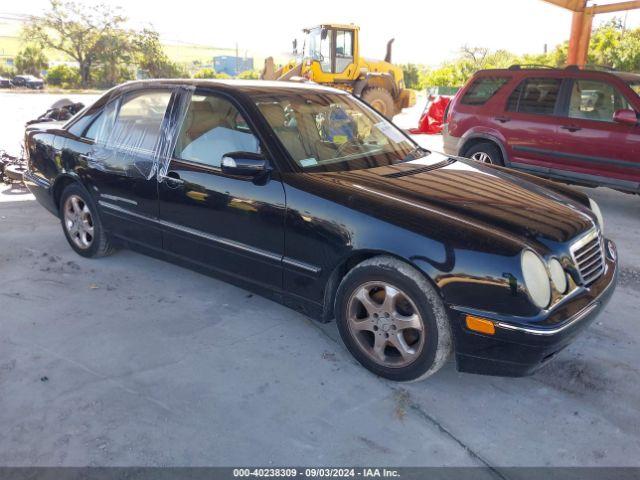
[[535, 95], [482, 89]]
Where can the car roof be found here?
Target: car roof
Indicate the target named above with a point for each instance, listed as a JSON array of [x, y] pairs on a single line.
[[627, 76], [251, 87], [530, 71]]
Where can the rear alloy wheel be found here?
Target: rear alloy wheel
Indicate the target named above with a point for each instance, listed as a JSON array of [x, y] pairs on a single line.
[[485, 152], [392, 320], [78, 222], [81, 223]]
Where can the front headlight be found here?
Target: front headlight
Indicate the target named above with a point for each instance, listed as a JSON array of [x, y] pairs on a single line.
[[536, 279], [596, 210], [558, 277]]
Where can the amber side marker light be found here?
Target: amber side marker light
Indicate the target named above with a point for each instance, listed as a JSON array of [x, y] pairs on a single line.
[[481, 325]]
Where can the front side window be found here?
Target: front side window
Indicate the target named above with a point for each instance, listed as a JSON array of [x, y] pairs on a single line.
[[535, 95], [137, 126], [594, 100], [482, 90], [212, 128], [334, 132]]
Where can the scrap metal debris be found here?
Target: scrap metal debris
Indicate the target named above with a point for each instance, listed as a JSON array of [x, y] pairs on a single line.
[[12, 167]]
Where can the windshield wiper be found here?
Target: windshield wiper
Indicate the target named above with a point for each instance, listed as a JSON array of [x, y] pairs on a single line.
[[412, 155]]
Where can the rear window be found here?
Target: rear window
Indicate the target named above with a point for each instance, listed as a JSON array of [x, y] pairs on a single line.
[[482, 90], [535, 95]]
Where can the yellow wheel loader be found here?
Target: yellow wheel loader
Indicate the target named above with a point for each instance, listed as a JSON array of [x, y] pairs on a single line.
[[331, 56]]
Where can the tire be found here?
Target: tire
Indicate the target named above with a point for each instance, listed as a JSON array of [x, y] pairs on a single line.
[[362, 328], [486, 152], [81, 223], [381, 100]]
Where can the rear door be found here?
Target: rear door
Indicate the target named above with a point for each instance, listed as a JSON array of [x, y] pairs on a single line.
[[121, 162], [529, 124], [589, 141]]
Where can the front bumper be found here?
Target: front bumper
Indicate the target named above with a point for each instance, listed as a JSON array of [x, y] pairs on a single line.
[[519, 349]]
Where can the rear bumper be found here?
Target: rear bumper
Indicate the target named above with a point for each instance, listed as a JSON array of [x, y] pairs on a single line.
[[41, 189], [450, 143], [519, 349]]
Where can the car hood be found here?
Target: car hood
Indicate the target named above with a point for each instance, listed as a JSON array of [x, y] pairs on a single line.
[[472, 193]]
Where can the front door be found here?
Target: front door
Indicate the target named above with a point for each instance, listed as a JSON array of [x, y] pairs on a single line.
[[234, 225], [590, 142]]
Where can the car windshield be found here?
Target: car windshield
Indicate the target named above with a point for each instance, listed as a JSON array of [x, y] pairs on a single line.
[[324, 131]]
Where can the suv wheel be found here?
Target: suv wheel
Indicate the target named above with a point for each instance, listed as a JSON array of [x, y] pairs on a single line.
[[392, 320], [485, 152]]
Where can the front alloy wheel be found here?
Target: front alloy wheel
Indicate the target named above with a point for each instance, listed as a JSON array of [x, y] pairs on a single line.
[[392, 319], [386, 324]]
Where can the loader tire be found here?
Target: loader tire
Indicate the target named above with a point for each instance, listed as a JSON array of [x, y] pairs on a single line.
[[381, 100]]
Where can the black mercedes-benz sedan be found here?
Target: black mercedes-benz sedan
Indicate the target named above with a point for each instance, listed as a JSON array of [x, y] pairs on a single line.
[[306, 195]]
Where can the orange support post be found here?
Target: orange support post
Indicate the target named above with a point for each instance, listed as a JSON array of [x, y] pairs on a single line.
[[585, 39], [577, 25]]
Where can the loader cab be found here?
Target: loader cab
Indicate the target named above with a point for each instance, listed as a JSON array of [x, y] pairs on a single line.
[[331, 53]]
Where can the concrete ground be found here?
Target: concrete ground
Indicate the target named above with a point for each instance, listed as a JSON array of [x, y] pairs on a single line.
[[128, 361]]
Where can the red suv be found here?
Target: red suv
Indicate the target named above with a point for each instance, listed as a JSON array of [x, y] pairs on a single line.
[[570, 124]]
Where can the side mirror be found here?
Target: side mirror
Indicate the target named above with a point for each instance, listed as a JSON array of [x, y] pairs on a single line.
[[626, 117], [244, 164]]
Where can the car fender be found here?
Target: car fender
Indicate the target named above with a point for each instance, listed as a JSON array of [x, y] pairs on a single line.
[[485, 134], [62, 180]]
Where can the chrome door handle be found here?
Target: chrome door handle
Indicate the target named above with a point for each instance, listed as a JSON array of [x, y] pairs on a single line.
[[170, 179], [571, 128], [503, 119]]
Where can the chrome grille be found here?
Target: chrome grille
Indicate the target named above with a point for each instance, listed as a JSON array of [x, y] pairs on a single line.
[[588, 255]]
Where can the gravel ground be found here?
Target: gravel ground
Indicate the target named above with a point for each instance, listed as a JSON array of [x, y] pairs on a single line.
[[132, 361]]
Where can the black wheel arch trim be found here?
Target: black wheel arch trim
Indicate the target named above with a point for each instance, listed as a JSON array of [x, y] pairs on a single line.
[[67, 178], [464, 141]]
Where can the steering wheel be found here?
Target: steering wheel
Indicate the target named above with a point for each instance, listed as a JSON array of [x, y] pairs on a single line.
[[348, 144]]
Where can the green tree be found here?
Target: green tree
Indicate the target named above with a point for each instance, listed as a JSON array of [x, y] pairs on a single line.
[[31, 60], [249, 75], [412, 77], [115, 59], [63, 76], [153, 60], [205, 73], [7, 71], [75, 29], [613, 46]]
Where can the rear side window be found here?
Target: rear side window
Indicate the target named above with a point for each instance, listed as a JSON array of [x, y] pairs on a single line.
[[535, 95], [137, 125], [482, 90]]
